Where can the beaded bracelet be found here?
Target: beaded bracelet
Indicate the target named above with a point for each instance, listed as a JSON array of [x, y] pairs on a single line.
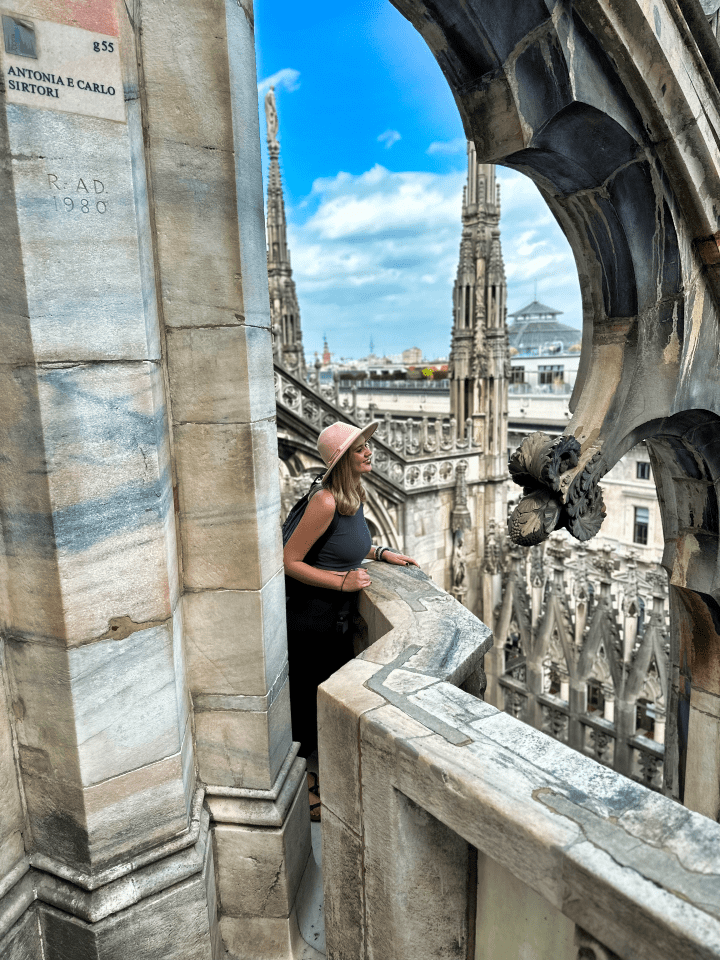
[[343, 582]]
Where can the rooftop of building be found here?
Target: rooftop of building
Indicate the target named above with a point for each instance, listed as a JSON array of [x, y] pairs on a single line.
[[535, 330], [536, 309]]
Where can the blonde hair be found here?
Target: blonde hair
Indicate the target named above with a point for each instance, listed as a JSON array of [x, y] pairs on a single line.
[[349, 493]]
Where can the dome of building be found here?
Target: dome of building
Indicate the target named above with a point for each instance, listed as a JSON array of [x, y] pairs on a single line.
[[535, 329]]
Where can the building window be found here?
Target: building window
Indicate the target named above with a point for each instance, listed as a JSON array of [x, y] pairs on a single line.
[[643, 470], [595, 697], [517, 375], [551, 374], [640, 529]]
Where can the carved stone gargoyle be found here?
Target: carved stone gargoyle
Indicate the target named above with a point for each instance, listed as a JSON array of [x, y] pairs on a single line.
[[556, 494]]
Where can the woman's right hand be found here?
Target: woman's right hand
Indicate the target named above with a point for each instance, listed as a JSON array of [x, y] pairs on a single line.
[[356, 580]]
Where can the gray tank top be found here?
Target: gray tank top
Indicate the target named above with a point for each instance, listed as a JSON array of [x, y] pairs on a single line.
[[349, 544]]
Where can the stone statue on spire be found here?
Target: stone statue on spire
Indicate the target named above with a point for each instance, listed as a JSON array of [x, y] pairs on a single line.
[[271, 119]]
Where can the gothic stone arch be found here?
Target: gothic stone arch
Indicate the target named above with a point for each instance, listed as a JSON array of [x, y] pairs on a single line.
[[612, 107]]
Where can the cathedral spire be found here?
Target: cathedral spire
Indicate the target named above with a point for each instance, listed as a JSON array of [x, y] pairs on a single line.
[[284, 309], [479, 339]]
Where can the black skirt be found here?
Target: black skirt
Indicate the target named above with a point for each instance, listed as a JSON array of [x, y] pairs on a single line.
[[320, 641]]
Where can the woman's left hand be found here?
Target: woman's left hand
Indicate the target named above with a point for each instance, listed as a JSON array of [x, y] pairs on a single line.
[[399, 558]]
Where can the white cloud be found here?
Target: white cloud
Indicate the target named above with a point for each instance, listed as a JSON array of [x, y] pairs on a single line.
[[526, 245], [448, 147], [287, 78], [377, 256], [378, 202], [389, 138]]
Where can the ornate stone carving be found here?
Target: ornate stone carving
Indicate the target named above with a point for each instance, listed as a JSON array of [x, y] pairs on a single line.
[[271, 117], [534, 518], [493, 553], [588, 644], [459, 566], [461, 519], [537, 566], [657, 582], [585, 507], [291, 396], [601, 742], [650, 767], [479, 366], [310, 410], [412, 475], [539, 465], [515, 703], [555, 723], [540, 460], [604, 563], [284, 307]]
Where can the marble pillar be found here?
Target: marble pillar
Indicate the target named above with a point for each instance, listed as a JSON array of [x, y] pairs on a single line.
[[94, 655], [203, 150], [142, 597]]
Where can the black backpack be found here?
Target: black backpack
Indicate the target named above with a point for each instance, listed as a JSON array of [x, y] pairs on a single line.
[[295, 516]]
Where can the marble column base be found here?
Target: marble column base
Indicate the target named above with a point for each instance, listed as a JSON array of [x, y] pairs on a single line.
[[163, 908], [262, 846]]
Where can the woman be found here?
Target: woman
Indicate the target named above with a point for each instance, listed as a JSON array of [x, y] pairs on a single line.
[[323, 581]]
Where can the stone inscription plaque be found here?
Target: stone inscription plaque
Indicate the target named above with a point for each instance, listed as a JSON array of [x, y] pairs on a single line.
[[56, 67]]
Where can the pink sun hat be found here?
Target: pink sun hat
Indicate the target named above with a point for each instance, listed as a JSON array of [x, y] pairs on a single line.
[[336, 439]]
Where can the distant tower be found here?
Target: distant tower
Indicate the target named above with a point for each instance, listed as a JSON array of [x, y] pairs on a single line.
[[479, 366], [478, 353], [284, 309], [327, 356]]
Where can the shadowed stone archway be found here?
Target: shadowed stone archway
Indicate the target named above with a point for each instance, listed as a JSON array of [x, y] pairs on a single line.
[[612, 108]]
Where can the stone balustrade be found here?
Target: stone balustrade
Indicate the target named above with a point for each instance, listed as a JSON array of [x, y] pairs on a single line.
[[411, 454], [581, 653], [452, 829]]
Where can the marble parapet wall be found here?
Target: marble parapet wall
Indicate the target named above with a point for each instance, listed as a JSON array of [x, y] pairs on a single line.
[[441, 809]]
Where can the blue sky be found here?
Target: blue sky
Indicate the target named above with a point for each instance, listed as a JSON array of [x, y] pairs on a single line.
[[373, 163]]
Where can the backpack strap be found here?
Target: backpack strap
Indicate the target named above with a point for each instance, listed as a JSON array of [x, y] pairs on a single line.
[[314, 551]]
